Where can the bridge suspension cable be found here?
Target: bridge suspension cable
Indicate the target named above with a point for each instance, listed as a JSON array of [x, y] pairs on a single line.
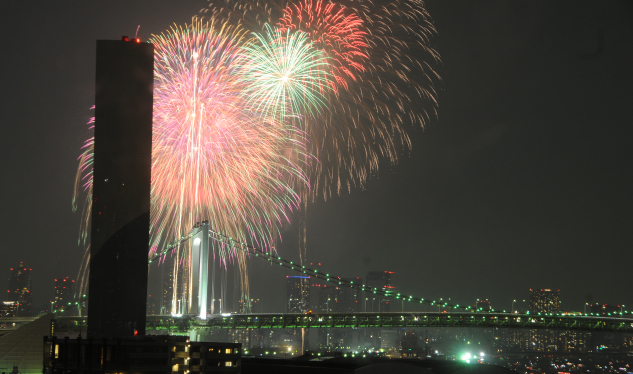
[[274, 258], [219, 237], [171, 247]]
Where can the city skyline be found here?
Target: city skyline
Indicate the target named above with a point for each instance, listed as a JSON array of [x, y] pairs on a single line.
[[519, 183], [340, 298]]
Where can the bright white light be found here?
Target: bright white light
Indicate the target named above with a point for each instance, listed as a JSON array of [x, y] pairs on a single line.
[[481, 354], [226, 314], [196, 241]]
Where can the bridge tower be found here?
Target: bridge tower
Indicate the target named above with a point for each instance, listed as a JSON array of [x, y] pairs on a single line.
[[199, 270]]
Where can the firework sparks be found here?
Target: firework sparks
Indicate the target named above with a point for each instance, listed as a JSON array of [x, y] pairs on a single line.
[[212, 159], [335, 30], [284, 75], [379, 57], [331, 85]]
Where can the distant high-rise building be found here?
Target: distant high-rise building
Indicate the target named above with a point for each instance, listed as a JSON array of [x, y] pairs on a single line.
[[544, 300], [319, 291], [64, 293], [349, 299], [168, 291], [152, 305], [315, 295], [323, 296], [326, 297], [297, 299], [331, 298], [380, 281], [20, 289], [483, 305]]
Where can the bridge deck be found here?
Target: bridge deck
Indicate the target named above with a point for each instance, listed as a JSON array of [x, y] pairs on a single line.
[[384, 320], [182, 324]]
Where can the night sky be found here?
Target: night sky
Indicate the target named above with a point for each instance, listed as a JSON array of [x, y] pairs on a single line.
[[522, 181]]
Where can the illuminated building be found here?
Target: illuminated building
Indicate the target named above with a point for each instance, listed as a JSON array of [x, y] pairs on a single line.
[[389, 339], [381, 281], [8, 309], [574, 341], [297, 293], [20, 289], [544, 301], [121, 189], [64, 294]]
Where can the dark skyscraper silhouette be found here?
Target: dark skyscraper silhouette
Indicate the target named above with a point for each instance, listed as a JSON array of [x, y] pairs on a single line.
[[121, 189]]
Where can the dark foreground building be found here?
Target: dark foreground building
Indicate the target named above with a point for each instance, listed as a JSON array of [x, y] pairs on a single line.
[[121, 189], [168, 354], [339, 365]]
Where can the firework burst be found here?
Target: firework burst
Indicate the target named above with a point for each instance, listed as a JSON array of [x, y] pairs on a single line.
[[284, 75], [379, 56], [212, 158], [335, 30]]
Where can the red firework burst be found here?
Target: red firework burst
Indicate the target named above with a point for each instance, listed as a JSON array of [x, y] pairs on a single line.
[[333, 28]]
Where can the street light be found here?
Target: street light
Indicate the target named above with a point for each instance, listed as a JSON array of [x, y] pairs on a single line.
[[512, 310]]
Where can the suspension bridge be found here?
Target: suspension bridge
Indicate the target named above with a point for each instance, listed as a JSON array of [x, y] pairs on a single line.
[[456, 316]]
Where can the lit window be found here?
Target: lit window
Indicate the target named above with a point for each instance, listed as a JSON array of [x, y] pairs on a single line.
[[228, 350], [228, 363]]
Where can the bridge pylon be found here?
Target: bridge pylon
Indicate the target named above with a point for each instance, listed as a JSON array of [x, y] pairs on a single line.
[[200, 271]]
